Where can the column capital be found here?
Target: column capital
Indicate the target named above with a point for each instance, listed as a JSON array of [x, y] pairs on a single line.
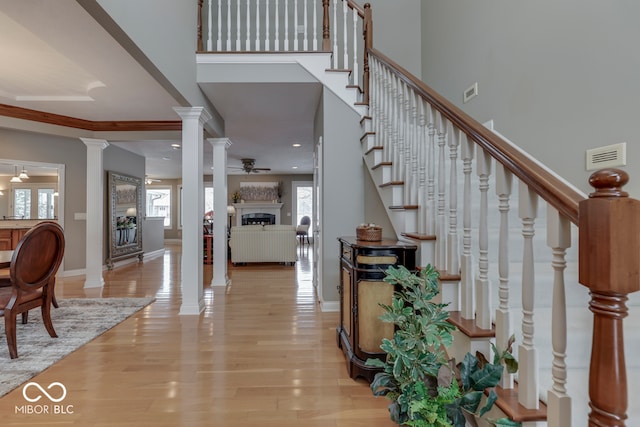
[[220, 141], [100, 143], [199, 113]]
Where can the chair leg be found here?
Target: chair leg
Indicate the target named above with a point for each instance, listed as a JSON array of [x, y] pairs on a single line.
[[10, 331], [46, 319]]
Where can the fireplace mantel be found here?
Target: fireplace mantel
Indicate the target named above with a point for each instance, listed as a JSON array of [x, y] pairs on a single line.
[[257, 207]]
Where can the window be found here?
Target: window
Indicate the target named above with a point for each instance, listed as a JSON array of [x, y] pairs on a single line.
[[46, 203], [34, 201], [303, 192], [22, 203], [159, 203]]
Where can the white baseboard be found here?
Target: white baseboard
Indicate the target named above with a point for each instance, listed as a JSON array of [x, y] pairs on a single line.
[[153, 254], [69, 273], [329, 306]]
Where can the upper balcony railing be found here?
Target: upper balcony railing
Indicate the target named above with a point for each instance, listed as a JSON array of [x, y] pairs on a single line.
[[335, 26]]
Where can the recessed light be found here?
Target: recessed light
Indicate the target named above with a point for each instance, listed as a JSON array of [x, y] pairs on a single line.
[[296, 145], [294, 167], [166, 158], [176, 146]]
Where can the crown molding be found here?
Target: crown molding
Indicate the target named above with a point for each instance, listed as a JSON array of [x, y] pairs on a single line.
[[96, 126]]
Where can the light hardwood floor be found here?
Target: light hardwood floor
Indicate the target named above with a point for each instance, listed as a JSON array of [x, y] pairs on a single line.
[[262, 354]]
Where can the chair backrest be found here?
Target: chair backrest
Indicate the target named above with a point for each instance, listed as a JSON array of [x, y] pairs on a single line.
[[305, 220], [37, 256]]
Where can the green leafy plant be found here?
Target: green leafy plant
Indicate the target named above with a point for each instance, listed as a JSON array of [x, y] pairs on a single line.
[[425, 388]]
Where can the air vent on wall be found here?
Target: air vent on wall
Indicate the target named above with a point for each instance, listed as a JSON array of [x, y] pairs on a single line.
[[606, 157]]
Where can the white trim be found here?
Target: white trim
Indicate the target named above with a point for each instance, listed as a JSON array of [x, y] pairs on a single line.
[[329, 306]]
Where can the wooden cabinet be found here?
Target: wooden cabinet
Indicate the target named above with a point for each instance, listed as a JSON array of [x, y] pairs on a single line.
[[362, 289], [9, 237]]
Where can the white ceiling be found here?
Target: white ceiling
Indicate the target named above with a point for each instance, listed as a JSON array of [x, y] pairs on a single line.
[[56, 58]]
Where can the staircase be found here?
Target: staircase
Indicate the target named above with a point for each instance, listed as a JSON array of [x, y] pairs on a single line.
[[519, 249]]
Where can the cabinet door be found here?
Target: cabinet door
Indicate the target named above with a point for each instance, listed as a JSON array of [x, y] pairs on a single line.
[[17, 235], [6, 243], [371, 330], [346, 302]]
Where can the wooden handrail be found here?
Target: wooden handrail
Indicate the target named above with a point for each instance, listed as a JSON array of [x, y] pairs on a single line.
[[555, 191], [353, 5]]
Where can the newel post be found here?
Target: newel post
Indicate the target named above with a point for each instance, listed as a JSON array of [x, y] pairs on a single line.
[[326, 28], [610, 267], [199, 32]]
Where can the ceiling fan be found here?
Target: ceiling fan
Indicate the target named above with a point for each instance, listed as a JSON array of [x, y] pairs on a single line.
[[249, 166]]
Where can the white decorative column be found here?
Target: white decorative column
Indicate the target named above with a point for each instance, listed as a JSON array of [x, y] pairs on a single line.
[[94, 212], [220, 261], [193, 120]]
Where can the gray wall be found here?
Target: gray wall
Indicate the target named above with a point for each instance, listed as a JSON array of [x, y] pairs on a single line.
[[72, 153], [342, 186], [165, 31], [557, 78], [397, 31]]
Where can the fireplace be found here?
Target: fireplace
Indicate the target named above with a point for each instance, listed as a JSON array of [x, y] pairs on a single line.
[[258, 218], [249, 210]]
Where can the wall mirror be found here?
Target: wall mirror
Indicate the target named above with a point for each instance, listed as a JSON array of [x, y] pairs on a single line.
[[125, 217]]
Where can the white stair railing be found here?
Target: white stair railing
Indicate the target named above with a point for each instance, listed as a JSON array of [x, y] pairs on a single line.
[[448, 172], [286, 26]]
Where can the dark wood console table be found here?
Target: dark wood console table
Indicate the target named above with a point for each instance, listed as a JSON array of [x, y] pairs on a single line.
[[362, 288]]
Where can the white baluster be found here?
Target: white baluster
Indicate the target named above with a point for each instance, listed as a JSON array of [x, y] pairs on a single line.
[[504, 180], [467, 300], [355, 72], [286, 25], [228, 25], [453, 262], [238, 43], [209, 20], [248, 45], [393, 126], [267, 36], [415, 149], [399, 137], [558, 239], [258, 44], [422, 167], [276, 18], [334, 56], [441, 233], [483, 284], [527, 353], [315, 26], [431, 173], [295, 25], [305, 37], [345, 54], [386, 114], [406, 143]]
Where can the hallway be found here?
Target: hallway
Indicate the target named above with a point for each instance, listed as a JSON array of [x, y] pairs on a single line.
[[262, 354]]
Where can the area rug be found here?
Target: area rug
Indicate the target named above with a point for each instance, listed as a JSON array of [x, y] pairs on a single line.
[[76, 322]]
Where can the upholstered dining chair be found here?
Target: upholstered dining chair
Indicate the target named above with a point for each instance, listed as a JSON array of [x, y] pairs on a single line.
[[302, 230], [35, 262]]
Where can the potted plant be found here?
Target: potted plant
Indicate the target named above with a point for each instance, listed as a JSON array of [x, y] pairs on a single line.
[[424, 386]]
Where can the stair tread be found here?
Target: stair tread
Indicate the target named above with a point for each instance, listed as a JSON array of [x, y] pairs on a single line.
[[381, 164], [468, 326], [377, 147], [418, 236], [508, 403], [391, 183]]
